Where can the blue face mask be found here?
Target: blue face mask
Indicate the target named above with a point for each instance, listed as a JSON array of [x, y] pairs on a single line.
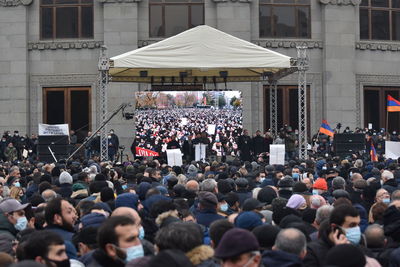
[[353, 235], [124, 187], [386, 200], [262, 179], [141, 233], [134, 252], [17, 184], [21, 224], [295, 176], [315, 192], [224, 207]]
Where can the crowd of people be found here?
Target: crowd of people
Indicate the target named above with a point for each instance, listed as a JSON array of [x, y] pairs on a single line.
[[324, 211], [155, 128]]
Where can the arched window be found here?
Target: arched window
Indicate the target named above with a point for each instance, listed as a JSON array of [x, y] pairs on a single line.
[[170, 17], [66, 19], [380, 20], [285, 19]]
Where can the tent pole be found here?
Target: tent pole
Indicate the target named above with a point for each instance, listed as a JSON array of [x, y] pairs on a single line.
[[302, 66], [103, 67]]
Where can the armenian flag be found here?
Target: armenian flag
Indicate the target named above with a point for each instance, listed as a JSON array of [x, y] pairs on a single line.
[[393, 105], [326, 129], [372, 153]]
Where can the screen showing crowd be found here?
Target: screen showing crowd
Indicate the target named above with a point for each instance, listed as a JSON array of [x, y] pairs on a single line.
[[181, 115]]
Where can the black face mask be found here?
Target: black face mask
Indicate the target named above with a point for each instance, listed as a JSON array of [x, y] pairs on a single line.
[[64, 263]]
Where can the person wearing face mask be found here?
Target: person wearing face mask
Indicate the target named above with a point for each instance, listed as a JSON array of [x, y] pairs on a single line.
[[119, 243], [12, 217], [47, 248], [341, 228], [296, 173]]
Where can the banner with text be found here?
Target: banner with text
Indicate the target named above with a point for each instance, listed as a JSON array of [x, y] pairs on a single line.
[[53, 129], [142, 152], [392, 150]]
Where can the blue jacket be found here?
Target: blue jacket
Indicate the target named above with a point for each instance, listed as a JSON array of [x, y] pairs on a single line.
[[67, 236], [207, 216]]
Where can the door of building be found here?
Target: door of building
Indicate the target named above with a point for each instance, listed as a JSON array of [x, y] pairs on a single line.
[[70, 105]]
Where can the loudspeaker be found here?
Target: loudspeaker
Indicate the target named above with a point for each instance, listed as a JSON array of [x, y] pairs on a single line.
[[348, 144], [346, 138], [55, 139], [57, 149]]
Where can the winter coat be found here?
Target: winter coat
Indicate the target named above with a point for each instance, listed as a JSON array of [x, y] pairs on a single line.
[[100, 258], [316, 253], [207, 216], [280, 258], [202, 256]]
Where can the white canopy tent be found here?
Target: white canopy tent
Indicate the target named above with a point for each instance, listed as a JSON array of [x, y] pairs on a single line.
[[201, 54]]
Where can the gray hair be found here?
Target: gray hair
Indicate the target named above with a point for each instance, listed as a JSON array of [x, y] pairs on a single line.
[[48, 195], [395, 195], [375, 236], [338, 183], [323, 213], [208, 185], [387, 175], [291, 241]]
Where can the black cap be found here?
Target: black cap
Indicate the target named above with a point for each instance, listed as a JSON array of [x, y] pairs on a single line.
[[286, 182], [252, 204], [242, 182]]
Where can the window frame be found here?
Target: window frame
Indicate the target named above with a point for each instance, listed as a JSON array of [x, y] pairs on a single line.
[[371, 8], [54, 6], [295, 5], [163, 3]]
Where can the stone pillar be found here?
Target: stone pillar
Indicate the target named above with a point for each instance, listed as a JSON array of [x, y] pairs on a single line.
[[120, 36], [14, 96], [339, 31]]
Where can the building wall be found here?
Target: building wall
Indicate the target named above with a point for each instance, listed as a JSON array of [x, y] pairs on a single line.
[[340, 64]]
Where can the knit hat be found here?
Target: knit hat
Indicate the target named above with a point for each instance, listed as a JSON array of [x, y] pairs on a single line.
[[78, 186], [286, 182], [236, 242], [93, 219], [296, 202], [252, 204], [320, 184], [65, 178], [266, 195], [208, 199], [129, 200], [248, 220]]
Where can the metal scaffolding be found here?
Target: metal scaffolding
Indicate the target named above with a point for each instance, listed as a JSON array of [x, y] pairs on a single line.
[[273, 107], [302, 67], [103, 66]]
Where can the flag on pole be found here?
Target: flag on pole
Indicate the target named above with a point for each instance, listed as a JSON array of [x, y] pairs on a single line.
[[326, 129], [372, 152], [393, 105]]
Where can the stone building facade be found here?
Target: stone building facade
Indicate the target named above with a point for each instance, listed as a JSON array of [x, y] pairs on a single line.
[[45, 64]]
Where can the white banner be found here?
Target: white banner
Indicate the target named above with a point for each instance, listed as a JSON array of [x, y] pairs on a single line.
[[276, 154], [392, 150], [53, 129], [200, 152], [174, 157], [211, 129]]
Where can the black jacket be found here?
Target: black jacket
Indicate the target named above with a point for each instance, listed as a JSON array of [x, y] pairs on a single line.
[[280, 258], [100, 258], [316, 253]]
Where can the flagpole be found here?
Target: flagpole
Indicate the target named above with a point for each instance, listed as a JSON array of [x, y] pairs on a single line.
[[387, 120]]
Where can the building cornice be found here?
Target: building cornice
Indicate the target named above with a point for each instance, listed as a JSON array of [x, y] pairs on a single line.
[[233, 1], [10, 3], [340, 2], [119, 1], [267, 43], [65, 45], [378, 45], [289, 43]]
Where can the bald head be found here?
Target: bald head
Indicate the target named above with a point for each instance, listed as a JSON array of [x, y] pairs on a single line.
[[356, 176], [49, 195], [128, 212], [192, 185], [375, 236]]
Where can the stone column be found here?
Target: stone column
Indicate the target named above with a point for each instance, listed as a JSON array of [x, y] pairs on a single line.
[[14, 93], [120, 36], [339, 31]]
